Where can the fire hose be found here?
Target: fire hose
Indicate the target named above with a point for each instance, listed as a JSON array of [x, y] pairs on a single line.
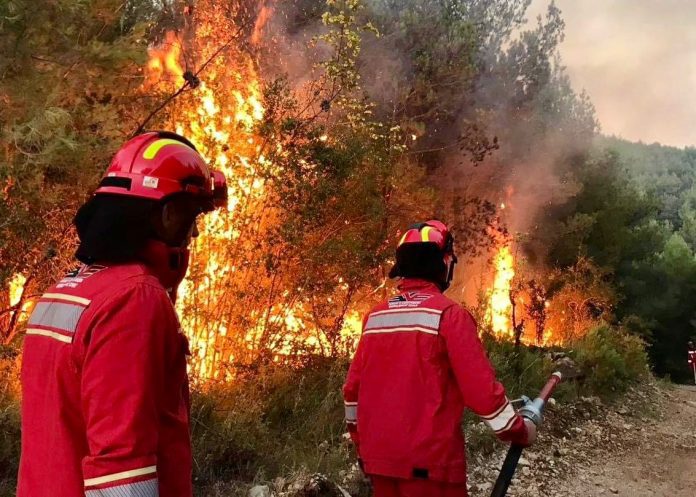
[[532, 410]]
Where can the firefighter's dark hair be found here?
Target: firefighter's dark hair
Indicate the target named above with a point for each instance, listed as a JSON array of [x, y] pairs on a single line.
[[113, 228], [420, 260]]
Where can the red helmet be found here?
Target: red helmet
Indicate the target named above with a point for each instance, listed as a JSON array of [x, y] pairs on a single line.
[[432, 231], [158, 164], [426, 250]]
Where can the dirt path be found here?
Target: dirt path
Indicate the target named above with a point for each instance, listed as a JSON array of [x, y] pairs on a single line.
[[590, 450], [660, 462]]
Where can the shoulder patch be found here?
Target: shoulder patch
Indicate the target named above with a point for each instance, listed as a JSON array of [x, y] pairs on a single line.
[[76, 276], [408, 299]]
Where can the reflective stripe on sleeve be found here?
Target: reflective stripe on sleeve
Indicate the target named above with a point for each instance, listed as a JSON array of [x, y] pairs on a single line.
[[148, 488], [502, 419], [351, 412], [49, 334], [123, 475], [58, 315]]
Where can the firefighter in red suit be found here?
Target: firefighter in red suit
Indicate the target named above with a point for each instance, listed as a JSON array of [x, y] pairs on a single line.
[[105, 408], [418, 365], [692, 359]]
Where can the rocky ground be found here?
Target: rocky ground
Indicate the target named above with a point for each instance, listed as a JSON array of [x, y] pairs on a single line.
[[643, 447]]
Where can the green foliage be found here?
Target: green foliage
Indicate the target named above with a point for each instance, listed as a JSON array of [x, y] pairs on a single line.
[[67, 75], [523, 370], [611, 359], [632, 216], [279, 419], [9, 448], [10, 433], [271, 422], [608, 220]]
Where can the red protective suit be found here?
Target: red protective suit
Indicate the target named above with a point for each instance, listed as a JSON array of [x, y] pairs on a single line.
[[105, 403], [419, 363]]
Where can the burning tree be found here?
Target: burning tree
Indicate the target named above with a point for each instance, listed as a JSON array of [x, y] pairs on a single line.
[[311, 192]]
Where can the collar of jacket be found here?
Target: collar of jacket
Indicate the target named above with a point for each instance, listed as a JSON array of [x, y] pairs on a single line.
[[407, 284]]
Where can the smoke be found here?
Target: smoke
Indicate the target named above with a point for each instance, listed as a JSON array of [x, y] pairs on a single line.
[[636, 60], [500, 124]]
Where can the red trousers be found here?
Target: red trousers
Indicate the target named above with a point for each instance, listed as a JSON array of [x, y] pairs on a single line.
[[384, 486]]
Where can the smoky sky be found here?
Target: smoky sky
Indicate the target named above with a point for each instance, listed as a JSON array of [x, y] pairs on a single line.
[[637, 61]]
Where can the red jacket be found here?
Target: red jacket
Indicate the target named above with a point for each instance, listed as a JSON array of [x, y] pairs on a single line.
[[419, 363], [105, 408]]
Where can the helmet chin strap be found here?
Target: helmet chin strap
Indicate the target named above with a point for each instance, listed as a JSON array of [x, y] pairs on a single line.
[[168, 264], [450, 273]]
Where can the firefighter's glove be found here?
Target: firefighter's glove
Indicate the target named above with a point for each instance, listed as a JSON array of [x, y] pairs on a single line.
[[531, 431]]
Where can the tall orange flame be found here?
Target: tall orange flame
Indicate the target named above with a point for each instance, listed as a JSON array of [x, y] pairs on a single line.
[[499, 312], [219, 299]]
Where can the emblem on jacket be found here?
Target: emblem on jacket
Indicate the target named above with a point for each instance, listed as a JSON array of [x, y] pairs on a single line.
[[408, 299], [78, 275]]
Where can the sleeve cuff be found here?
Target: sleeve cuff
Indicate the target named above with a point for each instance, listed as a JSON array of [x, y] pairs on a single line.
[[141, 482], [147, 488]]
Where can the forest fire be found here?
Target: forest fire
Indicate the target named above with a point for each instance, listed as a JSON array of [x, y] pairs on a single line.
[[232, 314], [519, 308], [242, 301]]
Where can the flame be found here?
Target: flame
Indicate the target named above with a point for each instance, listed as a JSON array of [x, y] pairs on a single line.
[[261, 21], [17, 288], [16, 291], [499, 312], [224, 324], [164, 60]]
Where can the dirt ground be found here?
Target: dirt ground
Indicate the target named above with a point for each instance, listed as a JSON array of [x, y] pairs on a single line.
[[645, 447], [662, 464]]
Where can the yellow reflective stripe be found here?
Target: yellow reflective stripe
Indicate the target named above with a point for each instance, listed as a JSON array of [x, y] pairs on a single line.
[[403, 238], [69, 298], [154, 147], [424, 234], [49, 334], [120, 476]]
